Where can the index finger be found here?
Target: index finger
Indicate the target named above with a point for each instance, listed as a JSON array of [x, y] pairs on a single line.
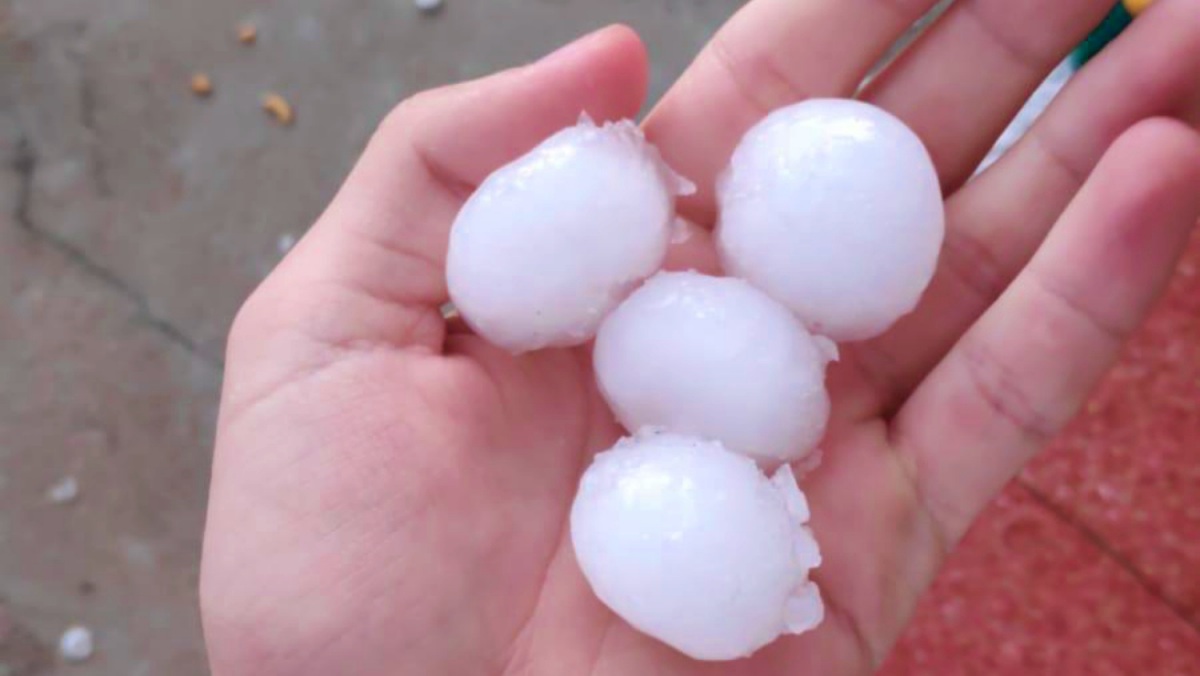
[[771, 53]]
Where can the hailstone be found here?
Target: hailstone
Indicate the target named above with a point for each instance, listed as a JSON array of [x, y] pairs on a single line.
[[551, 242], [695, 546], [716, 358], [834, 208]]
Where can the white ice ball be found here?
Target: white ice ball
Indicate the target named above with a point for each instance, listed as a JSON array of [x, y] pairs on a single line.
[[76, 644], [834, 208], [716, 358], [550, 243], [693, 545]]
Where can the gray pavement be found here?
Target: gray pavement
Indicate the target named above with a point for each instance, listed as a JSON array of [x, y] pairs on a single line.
[[135, 217]]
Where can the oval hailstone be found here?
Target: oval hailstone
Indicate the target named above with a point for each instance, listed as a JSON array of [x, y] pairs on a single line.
[[834, 208], [715, 358], [693, 545], [550, 243]]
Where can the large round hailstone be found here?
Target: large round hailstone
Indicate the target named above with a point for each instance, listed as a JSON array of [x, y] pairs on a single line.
[[834, 208], [716, 358], [693, 545], [550, 243]]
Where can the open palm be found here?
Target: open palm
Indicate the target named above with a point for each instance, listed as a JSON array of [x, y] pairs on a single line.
[[390, 494]]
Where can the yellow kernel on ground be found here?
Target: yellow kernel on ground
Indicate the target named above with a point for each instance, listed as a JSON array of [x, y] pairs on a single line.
[[247, 33], [201, 85], [278, 108], [1136, 7]]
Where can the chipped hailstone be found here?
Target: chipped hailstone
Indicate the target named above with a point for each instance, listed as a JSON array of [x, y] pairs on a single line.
[[693, 545], [550, 243], [834, 208], [66, 490], [75, 644], [716, 358]]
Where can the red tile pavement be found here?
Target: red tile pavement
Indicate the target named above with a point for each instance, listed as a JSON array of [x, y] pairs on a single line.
[[1028, 594], [1129, 469], [1098, 571]]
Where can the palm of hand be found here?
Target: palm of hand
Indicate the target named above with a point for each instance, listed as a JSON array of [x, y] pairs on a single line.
[[460, 539], [390, 495]]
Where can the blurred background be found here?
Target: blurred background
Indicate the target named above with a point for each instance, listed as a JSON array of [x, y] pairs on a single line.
[[138, 209]]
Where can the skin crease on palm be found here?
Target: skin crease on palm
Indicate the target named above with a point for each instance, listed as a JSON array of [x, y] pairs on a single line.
[[390, 493]]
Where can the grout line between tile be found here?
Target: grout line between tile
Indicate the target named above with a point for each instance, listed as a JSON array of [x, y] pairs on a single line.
[[1096, 540]]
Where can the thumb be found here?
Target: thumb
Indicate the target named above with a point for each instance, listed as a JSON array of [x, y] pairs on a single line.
[[371, 271]]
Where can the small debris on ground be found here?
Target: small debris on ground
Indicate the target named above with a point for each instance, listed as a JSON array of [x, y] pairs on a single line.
[[76, 645], [247, 33], [202, 85], [285, 242], [278, 108], [428, 6], [66, 490]]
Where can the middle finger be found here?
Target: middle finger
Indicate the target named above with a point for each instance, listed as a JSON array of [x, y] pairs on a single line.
[[962, 82], [997, 221]]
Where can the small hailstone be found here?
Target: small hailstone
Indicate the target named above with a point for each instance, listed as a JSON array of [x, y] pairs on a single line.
[[834, 208], [716, 358], [75, 645], [285, 242], [66, 490], [693, 545], [550, 243]]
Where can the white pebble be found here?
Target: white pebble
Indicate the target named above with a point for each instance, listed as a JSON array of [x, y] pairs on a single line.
[[428, 5], [550, 243], [716, 358], [834, 208], [66, 490], [693, 545], [75, 645]]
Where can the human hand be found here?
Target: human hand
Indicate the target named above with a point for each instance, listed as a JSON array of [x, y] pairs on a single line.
[[390, 493]]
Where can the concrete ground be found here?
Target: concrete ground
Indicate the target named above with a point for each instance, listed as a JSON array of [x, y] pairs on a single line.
[[135, 217]]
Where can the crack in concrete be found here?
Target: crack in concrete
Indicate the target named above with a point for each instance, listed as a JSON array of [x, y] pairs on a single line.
[[81, 260], [21, 652], [87, 120], [24, 164], [1098, 541]]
